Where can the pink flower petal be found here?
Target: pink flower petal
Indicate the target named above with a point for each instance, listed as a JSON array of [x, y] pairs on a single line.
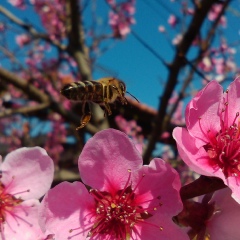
[[165, 184], [205, 108], [27, 172], [224, 224], [65, 207], [188, 151], [233, 99], [106, 159], [23, 225]]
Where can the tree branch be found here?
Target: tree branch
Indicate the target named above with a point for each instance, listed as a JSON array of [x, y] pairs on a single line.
[[201, 186], [29, 28], [34, 93], [76, 46], [162, 119], [24, 110]]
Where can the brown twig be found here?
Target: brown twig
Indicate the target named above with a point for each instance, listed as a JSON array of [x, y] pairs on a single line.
[[201, 186]]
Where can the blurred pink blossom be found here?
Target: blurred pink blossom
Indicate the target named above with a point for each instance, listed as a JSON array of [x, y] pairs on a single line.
[[172, 20], [161, 29], [18, 3], [56, 137], [53, 16], [177, 39], [206, 64], [215, 11], [121, 18], [22, 39], [2, 27], [132, 130]]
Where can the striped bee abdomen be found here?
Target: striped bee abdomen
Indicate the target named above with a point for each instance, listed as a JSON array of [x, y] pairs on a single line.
[[84, 91]]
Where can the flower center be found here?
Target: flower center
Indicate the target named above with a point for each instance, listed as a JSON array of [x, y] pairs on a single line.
[[224, 147], [116, 215], [7, 203]]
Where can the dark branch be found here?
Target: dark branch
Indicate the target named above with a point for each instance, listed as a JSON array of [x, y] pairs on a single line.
[[34, 93], [162, 120]]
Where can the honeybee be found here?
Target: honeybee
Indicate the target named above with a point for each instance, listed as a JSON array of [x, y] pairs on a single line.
[[102, 91]]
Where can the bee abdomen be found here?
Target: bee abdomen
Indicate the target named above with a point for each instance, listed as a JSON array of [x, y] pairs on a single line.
[[83, 91]]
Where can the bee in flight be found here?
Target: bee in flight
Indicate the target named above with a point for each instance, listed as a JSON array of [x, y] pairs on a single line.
[[102, 91]]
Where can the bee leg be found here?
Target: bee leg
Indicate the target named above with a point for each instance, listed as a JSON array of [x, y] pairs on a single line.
[[84, 120], [86, 115], [107, 109]]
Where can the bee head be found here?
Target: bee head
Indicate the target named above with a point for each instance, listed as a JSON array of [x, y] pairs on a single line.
[[122, 87]]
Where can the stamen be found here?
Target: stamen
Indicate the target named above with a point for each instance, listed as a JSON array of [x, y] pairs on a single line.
[[116, 215]]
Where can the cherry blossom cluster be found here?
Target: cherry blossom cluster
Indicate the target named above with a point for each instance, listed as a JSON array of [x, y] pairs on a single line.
[[121, 17], [213, 14], [219, 61], [56, 137], [53, 17], [52, 14]]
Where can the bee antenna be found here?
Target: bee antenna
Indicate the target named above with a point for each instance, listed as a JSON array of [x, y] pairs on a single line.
[[132, 96]]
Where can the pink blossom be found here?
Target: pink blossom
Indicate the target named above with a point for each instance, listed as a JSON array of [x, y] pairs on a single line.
[[219, 65], [128, 7], [132, 130], [18, 3], [121, 18], [206, 64], [127, 200], [124, 28], [215, 11], [172, 20], [178, 38], [53, 17], [190, 11], [2, 27], [210, 143], [26, 175], [111, 2], [56, 138], [225, 208], [22, 39], [161, 29]]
